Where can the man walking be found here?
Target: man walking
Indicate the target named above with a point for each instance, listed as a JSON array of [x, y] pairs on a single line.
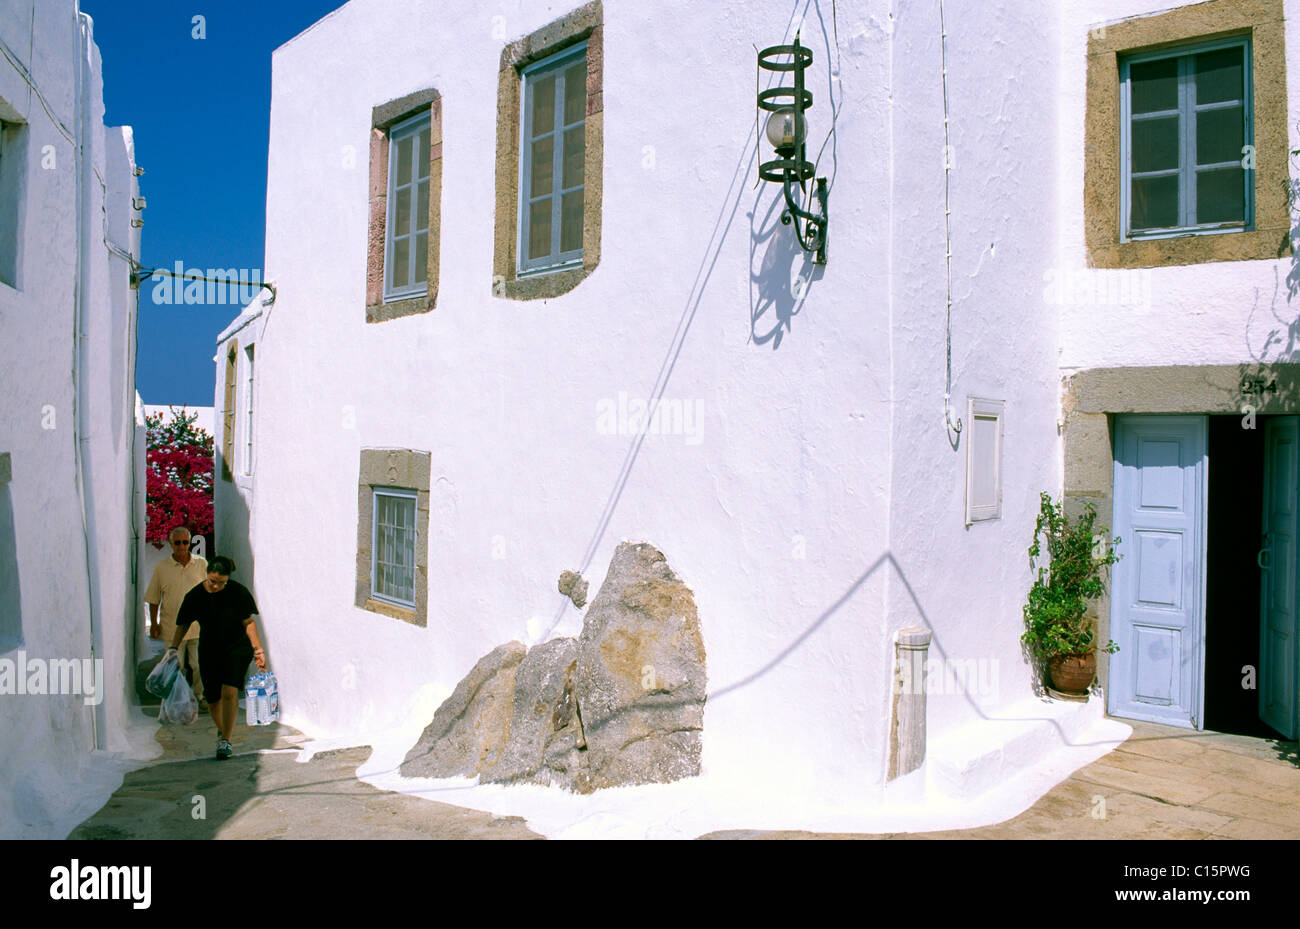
[[172, 580]]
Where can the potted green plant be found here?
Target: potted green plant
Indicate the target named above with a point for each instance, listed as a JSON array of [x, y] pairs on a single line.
[[1059, 634]]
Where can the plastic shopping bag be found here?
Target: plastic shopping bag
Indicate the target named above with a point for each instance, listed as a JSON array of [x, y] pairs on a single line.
[[261, 699], [180, 705], [159, 681]]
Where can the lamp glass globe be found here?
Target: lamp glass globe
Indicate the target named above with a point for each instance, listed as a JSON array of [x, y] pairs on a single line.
[[786, 129]]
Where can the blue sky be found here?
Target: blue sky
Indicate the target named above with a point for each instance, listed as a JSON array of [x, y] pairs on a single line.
[[200, 109]]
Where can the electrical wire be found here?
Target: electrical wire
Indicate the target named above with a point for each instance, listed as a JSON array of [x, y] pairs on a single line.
[[758, 132], [31, 84], [949, 421], [835, 108]]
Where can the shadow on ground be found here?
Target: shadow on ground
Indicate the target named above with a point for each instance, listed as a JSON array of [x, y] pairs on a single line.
[[265, 793]]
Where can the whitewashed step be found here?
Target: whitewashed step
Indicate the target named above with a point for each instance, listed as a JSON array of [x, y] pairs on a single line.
[[967, 761]]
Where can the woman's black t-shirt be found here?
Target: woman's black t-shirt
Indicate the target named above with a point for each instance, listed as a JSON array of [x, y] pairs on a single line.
[[220, 615]]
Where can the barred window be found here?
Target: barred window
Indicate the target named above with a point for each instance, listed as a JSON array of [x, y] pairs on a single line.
[[393, 569]]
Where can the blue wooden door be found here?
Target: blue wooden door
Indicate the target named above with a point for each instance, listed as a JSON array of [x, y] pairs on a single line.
[[1158, 586], [1277, 560]]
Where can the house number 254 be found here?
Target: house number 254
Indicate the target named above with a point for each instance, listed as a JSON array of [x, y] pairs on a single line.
[[1258, 385]]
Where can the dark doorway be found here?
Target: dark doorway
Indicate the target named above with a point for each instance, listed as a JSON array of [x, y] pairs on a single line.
[[1236, 506]]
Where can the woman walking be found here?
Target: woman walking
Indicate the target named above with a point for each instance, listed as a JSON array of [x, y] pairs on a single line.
[[228, 641]]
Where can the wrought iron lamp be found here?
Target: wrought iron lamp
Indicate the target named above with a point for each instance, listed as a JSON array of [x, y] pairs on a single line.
[[787, 130]]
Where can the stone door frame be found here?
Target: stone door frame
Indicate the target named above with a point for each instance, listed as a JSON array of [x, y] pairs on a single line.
[[1092, 398]]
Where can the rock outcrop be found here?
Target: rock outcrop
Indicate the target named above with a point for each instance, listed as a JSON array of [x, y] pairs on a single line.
[[621, 704], [641, 674], [545, 739], [469, 731]]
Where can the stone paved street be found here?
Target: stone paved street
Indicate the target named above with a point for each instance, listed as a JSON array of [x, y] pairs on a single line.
[[1162, 783], [270, 795]]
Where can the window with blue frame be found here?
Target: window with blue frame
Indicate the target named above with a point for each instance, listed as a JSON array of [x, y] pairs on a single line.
[[1187, 141], [407, 248], [393, 549], [553, 150]]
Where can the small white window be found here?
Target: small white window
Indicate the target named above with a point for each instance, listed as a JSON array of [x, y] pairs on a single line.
[[392, 571], [552, 161], [407, 248], [248, 411], [984, 460]]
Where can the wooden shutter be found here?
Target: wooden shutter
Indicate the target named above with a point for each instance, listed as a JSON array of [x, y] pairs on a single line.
[[228, 411]]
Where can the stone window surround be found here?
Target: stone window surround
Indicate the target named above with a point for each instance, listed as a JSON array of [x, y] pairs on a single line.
[[393, 467], [1091, 400], [382, 119], [583, 23], [1270, 237]]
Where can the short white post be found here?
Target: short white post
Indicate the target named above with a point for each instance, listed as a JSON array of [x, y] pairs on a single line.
[[907, 729]]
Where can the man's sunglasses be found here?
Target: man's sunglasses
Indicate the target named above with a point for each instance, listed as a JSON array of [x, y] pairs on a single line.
[[186, 542]]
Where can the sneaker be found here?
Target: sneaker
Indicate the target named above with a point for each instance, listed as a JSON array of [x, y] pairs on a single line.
[[224, 749]]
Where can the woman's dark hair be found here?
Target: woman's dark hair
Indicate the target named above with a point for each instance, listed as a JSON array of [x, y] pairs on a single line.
[[220, 564]]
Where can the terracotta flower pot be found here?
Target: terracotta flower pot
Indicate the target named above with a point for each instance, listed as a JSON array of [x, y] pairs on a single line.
[[1073, 674]]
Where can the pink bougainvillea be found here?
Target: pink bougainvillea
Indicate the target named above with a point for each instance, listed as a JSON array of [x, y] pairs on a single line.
[[179, 485]]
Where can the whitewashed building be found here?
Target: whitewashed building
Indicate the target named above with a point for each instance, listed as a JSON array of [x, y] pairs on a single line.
[[71, 443], [444, 332]]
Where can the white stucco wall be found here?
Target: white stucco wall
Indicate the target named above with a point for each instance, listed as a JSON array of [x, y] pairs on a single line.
[[67, 413], [1214, 313], [968, 583], [822, 508]]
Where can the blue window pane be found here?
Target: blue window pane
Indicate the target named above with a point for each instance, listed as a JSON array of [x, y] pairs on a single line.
[[1155, 202], [539, 228], [543, 167], [575, 92], [1155, 144], [543, 105], [1154, 85], [1221, 196], [1219, 76], [1218, 135]]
